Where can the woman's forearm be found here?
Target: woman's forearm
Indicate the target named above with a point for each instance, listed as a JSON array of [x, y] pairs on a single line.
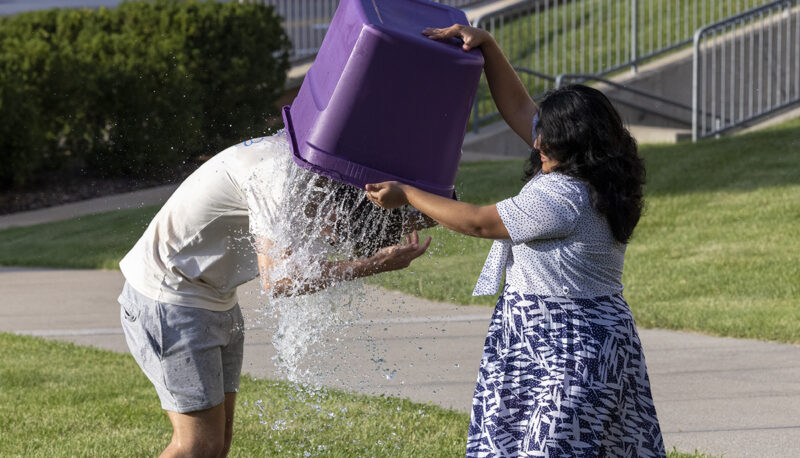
[[461, 217]]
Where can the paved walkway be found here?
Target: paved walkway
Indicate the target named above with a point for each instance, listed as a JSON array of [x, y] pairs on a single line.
[[735, 397], [136, 199]]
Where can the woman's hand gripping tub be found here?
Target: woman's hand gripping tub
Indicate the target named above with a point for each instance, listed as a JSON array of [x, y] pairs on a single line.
[[509, 94]]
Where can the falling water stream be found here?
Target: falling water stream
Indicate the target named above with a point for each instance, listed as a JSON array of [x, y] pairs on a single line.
[[311, 221]]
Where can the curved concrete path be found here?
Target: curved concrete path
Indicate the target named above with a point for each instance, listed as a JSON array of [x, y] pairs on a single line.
[[735, 397], [136, 199]]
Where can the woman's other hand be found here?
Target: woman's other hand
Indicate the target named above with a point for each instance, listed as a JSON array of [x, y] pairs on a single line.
[[388, 195], [471, 36]]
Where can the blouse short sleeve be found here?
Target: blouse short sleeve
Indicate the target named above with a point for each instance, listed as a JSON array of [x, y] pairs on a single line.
[[546, 208]]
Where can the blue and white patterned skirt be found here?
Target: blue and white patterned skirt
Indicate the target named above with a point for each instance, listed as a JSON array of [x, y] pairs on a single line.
[[563, 377]]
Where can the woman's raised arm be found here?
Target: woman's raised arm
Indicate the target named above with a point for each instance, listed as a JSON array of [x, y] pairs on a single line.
[[512, 99]]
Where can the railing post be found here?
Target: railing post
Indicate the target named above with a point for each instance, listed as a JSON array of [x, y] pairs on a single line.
[[634, 34], [695, 82], [559, 80]]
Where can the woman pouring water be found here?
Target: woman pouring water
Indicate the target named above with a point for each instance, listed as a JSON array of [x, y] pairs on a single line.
[[562, 373]]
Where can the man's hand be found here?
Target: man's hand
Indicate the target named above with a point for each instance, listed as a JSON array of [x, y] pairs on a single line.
[[389, 258], [388, 195], [399, 256]]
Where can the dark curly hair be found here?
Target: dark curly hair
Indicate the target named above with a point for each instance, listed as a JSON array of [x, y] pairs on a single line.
[[581, 130]]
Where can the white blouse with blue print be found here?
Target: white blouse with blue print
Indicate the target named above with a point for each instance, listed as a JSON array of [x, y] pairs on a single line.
[[560, 245]]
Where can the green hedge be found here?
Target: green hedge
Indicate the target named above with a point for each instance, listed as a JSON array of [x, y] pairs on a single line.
[[134, 89]]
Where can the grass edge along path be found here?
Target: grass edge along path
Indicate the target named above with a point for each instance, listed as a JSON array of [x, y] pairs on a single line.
[[61, 399]]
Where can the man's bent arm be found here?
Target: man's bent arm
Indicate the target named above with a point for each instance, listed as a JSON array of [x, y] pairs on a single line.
[[387, 259]]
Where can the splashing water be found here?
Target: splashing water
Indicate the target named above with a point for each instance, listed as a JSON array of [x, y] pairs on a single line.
[[300, 222]]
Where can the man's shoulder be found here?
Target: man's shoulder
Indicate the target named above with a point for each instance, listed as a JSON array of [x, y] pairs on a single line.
[[276, 144], [255, 153]]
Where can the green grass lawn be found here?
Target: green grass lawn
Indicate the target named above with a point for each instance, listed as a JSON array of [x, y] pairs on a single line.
[[87, 242], [60, 399], [716, 251]]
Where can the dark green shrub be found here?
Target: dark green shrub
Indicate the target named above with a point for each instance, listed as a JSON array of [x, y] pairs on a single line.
[[22, 149], [135, 89]]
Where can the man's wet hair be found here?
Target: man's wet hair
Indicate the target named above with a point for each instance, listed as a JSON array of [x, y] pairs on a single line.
[[358, 225]]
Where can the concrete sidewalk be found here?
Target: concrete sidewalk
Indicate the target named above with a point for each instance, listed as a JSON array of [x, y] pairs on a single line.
[[136, 199], [734, 397]]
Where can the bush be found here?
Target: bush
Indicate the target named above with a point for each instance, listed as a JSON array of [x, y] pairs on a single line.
[[135, 89]]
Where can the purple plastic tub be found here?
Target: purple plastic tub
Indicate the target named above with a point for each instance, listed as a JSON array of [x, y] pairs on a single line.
[[382, 102]]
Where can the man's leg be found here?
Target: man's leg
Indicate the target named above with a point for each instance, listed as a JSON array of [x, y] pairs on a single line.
[[193, 357], [199, 434], [230, 405], [232, 356]]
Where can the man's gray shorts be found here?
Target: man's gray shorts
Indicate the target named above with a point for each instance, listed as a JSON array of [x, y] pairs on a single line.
[[193, 356]]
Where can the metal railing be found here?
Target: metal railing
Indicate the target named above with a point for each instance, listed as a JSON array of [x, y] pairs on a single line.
[[593, 37], [745, 67], [307, 21], [654, 98]]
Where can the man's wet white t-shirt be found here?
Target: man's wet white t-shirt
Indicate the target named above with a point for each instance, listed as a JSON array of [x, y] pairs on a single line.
[[198, 248]]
